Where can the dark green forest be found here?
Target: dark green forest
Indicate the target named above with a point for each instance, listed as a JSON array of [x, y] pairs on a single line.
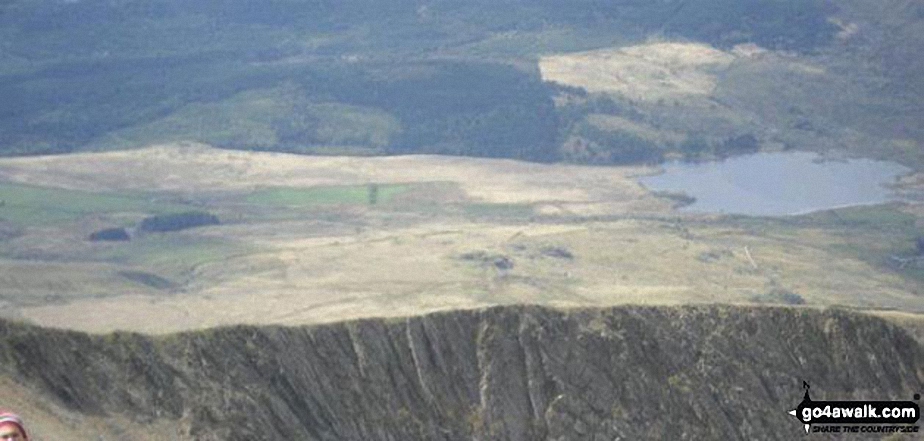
[[354, 76], [163, 223]]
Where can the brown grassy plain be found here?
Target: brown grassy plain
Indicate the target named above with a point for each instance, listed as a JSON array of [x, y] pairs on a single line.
[[462, 233]]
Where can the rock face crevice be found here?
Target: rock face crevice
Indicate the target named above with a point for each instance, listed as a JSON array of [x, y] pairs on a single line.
[[518, 373]]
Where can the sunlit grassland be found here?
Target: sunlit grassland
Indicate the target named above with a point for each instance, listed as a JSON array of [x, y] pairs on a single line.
[[329, 195], [498, 211], [26, 282]]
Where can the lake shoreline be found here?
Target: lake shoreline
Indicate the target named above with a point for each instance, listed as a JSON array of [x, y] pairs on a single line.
[[777, 184]]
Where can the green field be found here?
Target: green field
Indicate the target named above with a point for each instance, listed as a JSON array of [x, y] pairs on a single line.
[[25, 205]]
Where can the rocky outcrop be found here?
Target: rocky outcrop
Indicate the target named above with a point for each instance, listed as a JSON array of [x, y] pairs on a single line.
[[518, 373]]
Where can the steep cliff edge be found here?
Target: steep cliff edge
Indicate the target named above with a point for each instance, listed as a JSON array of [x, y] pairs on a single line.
[[704, 372]]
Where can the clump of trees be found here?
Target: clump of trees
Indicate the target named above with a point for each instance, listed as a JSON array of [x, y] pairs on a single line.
[[698, 148], [160, 223], [110, 235], [738, 145], [582, 141], [177, 221], [592, 145]]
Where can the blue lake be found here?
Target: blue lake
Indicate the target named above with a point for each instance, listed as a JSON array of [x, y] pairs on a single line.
[[780, 183]]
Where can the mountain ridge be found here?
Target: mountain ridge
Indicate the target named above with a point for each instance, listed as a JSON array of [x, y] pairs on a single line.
[[520, 372]]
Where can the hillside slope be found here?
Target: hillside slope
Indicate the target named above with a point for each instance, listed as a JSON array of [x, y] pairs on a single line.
[[457, 78], [712, 372]]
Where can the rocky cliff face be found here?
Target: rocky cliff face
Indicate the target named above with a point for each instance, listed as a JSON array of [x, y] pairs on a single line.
[[519, 373]]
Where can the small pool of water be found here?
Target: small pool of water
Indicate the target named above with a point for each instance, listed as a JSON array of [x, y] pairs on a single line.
[[779, 183]]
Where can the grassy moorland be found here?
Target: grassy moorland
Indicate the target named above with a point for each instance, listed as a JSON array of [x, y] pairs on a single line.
[[315, 239], [371, 194], [407, 121]]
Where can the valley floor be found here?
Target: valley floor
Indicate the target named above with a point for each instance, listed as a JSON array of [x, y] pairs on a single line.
[[321, 239]]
